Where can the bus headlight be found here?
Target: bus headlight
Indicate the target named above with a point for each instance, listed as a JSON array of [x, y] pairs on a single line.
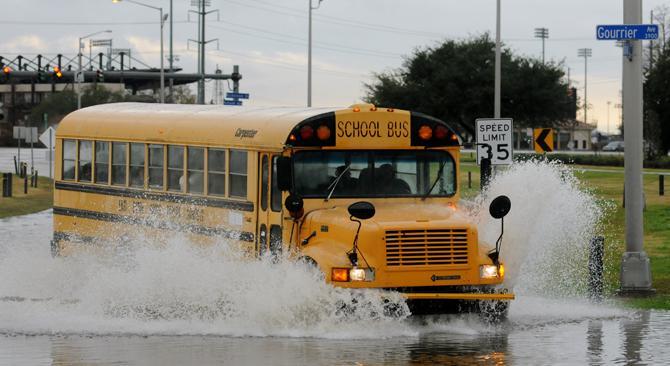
[[489, 271], [357, 274]]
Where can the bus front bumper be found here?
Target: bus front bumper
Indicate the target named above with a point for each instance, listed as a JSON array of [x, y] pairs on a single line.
[[459, 296]]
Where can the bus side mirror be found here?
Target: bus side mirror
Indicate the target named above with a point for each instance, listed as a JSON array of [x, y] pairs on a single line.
[[500, 207], [284, 173]]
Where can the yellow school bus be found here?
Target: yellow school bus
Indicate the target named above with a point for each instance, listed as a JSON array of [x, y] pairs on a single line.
[[369, 195]]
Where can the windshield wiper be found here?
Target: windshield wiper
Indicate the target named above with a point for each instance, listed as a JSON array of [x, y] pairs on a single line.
[[333, 185], [439, 175]]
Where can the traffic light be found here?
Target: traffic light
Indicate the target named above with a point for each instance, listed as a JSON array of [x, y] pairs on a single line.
[[6, 70], [57, 72], [99, 76]]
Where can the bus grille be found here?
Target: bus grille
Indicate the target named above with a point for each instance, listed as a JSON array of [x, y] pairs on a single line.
[[426, 247]]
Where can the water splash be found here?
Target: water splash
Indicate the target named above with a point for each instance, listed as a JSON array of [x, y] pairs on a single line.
[[176, 288], [547, 232]]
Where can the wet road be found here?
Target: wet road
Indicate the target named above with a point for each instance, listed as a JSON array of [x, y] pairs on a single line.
[[540, 331]]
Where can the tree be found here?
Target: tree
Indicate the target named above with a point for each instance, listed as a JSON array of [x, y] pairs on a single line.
[[454, 82], [657, 103], [57, 105]]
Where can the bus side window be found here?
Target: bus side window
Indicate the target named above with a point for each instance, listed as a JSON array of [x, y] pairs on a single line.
[[156, 153], [264, 183], [137, 165], [102, 162], [275, 193], [216, 171], [85, 161], [238, 173], [196, 170], [175, 168], [69, 158], [119, 163]]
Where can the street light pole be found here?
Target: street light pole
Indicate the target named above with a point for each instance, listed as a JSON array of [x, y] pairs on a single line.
[[309, 52], [608, 117], [79, 68], [586, 53], [496, 86], [162, 22]]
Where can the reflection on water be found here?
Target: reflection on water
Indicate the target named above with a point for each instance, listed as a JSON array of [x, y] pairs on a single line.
[[640, 338]]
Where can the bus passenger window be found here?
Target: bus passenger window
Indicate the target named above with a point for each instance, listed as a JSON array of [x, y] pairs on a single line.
[[85, 160], [238, 173], [102, 162], [119, 163], [196, 170], [216, 170], [275, 193], [69, 159], [264, 183], [137, 165], [156, 166], [176, 168]]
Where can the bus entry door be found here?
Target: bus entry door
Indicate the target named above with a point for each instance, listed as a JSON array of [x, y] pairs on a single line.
[[269, 231]]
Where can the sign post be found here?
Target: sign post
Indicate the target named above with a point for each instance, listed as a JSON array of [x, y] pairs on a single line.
[[494, 140]]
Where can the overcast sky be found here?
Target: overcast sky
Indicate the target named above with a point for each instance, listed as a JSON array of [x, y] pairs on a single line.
[[352, 39]]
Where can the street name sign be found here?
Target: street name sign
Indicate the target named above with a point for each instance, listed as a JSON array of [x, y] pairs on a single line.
[[494, 140], [617, 32], [235, 95], [543, 140], [232, 102]]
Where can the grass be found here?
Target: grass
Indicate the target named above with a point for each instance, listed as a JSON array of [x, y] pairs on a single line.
[[37, 199], [608, 187]]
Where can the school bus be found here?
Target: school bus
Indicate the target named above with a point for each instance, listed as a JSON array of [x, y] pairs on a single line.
[[368, 195]]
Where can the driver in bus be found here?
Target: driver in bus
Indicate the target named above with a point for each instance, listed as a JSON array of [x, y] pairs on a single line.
[[390, 184]]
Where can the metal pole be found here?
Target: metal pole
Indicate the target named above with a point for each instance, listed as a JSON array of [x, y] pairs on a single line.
[[162, 92], [309, 57], [608, 117], [635, 269], [586, 103], [77, 81], [201, 82], [50, 152], [496, 102], [171, 55], [542, 50]]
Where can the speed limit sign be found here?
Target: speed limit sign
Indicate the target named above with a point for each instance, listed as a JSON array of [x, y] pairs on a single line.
[[494, 140]]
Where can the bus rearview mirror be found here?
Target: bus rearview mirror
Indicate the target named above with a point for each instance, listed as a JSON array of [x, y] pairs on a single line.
[[284, 173], [362, 210]]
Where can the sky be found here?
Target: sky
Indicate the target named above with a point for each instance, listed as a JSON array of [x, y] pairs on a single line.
[[352, 39]]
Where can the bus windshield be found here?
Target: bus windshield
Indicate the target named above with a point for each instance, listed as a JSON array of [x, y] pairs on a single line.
[[388, 173]]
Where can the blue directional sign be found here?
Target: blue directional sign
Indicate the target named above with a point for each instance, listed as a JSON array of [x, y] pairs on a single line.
[[235, 95], [232, 102], [627, 31]]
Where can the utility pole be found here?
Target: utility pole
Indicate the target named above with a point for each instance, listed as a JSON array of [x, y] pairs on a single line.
[[635, 269], [171, 98], [542, 33], [309, 52], [496, 101], [202, 14], [586, 53]]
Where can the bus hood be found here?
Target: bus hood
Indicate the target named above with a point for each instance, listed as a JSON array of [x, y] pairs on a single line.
[[398, 215]]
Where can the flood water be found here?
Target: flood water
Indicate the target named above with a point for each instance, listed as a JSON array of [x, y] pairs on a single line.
[[179, 304]]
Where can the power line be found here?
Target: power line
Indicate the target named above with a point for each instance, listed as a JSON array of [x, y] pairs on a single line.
[[341, 21], [17, 22], [335, 48]]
